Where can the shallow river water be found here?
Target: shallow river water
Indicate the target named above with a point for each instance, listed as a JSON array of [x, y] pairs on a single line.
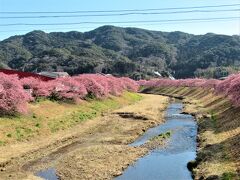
[[169, 163]]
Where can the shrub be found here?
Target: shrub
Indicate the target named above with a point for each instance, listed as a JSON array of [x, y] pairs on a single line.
[[224, 85], [115, 86], [15, 93], [38, 88], [211, 83], [129, 84], [233, 90], [94, 89], [229, 87], [67, 88], [13, 98]]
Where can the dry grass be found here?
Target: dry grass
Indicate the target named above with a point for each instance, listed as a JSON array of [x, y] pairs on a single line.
[[105, 137], [150, 107], [50, 116], [104, 162], [219, 133], [47, 117]]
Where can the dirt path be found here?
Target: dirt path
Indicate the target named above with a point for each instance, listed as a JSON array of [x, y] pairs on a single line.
[[95, 149]]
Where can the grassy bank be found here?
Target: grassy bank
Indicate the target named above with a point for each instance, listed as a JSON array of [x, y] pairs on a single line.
[[219, 131], [92, 149], [47, 117]]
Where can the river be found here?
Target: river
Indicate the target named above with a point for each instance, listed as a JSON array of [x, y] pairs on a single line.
[[170, 162]]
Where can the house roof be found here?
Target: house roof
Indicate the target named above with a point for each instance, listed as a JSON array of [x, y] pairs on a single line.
[[54, 74], [25, 74]]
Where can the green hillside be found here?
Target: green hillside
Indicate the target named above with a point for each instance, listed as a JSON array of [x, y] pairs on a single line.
[[123, 51]]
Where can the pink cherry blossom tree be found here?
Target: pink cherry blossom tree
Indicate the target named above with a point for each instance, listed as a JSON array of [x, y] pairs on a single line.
[[13, 98]]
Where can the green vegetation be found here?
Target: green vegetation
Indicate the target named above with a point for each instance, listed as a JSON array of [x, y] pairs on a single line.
[[229, 176], [2, 143], [213, 119], [162, 136], [123, 51], [47, 117], [23, 133], [216, 72]]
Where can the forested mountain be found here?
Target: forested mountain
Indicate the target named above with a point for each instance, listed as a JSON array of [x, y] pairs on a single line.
[[123, 51]]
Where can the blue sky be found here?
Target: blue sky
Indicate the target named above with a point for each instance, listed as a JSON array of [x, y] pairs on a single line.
[[220, 27]]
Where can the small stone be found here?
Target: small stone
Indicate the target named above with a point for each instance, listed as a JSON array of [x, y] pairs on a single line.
[[118, 173]]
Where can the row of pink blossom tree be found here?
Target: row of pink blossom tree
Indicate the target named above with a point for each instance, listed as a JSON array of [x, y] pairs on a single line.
[[15, 93], [230, 87]]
